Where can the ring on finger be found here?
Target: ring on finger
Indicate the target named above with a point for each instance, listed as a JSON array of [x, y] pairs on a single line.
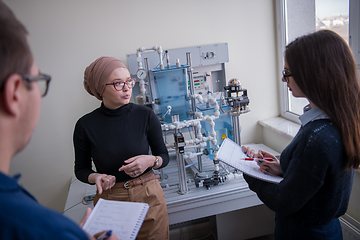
[[134, 174]]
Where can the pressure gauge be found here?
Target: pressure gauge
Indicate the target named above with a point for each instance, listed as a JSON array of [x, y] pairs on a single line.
[[141, 74]]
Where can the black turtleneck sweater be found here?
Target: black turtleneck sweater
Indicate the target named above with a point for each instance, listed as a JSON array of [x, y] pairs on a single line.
[[109, 137]]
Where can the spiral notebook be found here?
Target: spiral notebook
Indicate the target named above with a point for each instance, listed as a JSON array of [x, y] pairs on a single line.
[[232, 154], [123, 218]]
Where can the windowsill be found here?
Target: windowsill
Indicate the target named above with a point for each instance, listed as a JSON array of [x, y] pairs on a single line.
[[281, 126]]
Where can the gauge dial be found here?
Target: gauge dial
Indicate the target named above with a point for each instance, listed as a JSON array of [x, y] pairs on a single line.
[[141, 74]]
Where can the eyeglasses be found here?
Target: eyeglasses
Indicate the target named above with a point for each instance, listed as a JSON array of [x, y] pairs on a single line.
[[43, 81], [286, 75], [119, 85]]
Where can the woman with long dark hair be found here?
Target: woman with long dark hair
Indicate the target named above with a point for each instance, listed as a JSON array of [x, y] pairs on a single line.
[[318, 165]]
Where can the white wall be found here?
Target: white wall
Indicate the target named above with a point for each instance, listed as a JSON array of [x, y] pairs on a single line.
[[66, 36]]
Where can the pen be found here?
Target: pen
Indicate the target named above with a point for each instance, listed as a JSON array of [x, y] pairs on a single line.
[[256, 159], [104, 235]]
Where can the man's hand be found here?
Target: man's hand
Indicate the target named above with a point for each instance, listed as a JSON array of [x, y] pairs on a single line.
[[82, 222]]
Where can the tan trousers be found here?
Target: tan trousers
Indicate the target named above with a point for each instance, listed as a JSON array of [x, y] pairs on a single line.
[[156, 224]]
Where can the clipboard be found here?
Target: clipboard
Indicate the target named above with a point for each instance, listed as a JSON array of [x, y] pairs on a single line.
[[231, 154]]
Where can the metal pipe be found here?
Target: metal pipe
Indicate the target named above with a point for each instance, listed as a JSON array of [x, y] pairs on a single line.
[[183, 189], [167, 59], [191, 79], [236, 129], [146, 63], [193, 103]]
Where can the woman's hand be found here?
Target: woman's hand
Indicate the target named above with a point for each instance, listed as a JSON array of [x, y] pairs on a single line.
[[266, 166], [249, 151], [137, 165], [102, 181]]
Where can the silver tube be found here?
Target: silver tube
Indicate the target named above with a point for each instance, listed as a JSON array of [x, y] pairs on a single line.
[[167, 59], [161, 174], [183, 189], [193, 103], [191, 79], [146, 63], [236, 129]]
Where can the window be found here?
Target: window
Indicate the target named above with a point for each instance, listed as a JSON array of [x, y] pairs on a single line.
[[296, 18], [333, 15]]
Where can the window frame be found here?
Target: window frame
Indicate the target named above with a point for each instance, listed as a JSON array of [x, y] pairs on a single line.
[[354, 42], [354, 29], [281, 44]]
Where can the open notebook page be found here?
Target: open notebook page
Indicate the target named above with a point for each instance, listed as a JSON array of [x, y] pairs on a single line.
[[232, 154], [123, 218]]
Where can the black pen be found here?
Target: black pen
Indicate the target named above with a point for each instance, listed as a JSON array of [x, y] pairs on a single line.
[[104, 235]]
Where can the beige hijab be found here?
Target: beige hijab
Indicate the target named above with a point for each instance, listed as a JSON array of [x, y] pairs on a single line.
[[97, 73]]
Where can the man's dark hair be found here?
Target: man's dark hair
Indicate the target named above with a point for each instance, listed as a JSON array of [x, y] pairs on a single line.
[[15, 53]]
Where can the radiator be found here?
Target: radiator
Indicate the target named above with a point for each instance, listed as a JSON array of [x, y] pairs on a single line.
[[350, 228]]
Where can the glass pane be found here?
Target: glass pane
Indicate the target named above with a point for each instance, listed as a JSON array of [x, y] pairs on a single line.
[[296, 105], [171, 85], [333, 15], [300, 20]]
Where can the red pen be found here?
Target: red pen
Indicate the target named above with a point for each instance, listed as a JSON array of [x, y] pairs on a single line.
[[257, 159]]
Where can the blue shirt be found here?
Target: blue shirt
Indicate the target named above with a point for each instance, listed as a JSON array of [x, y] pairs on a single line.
[[22, 217]]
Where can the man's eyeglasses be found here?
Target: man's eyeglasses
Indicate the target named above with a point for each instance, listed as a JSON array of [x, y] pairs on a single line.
[[43, 81], [119, 85], [286, 75]]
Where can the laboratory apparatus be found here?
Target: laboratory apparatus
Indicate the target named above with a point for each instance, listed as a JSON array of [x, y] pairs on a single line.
[[195, 105], [238, 100]]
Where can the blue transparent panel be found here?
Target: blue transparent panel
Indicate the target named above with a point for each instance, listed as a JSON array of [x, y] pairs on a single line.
[[171, 90], [223, 128]]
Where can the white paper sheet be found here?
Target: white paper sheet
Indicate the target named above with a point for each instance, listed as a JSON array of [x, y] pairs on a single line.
[[232, 154], [123, 218]]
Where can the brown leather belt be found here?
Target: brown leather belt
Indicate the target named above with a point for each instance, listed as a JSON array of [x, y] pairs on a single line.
[[142, 179]]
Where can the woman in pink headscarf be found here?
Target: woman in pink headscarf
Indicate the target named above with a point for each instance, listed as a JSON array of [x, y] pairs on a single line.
[[117, 138]]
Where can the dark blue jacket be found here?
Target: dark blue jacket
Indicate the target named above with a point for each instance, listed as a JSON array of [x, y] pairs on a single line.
[[316, 186]]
